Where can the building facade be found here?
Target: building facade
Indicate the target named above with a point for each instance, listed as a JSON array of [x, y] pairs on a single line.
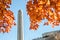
[[54, 35]]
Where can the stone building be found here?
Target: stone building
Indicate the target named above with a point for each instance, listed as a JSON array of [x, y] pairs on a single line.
[[54, 35]]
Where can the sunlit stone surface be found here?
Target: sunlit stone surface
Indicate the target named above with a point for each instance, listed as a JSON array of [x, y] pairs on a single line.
[[54, 35]]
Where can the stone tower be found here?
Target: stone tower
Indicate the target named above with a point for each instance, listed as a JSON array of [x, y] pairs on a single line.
[[20, 26]]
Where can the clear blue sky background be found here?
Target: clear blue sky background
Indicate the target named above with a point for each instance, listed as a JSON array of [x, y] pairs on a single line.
[[28, 34]]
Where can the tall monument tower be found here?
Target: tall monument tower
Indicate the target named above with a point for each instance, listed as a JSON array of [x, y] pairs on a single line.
[[20, 25]]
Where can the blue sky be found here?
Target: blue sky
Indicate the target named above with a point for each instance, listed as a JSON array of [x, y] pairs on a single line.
[[28, 34]]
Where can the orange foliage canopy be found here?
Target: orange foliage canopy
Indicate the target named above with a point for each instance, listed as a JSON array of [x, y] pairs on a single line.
[[43, 9], [6, 16]]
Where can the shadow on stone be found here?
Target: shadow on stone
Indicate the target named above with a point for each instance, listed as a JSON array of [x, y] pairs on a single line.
[[54, 35]]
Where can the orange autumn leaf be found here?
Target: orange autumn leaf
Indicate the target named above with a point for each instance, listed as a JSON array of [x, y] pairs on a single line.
[[43, 9], [6, 16]]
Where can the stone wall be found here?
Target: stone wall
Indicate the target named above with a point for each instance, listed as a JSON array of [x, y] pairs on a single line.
[[54, 35]]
